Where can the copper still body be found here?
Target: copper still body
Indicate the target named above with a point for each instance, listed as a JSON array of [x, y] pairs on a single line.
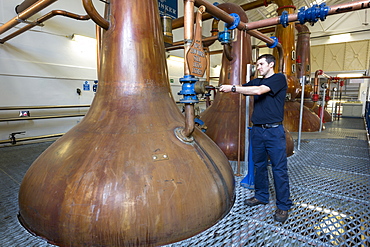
[[121, 177], [311, 121]]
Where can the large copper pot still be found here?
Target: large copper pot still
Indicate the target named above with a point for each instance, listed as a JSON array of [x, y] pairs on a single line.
[[121, 177]]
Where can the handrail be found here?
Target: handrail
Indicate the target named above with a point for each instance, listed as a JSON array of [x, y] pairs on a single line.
[[39, 117], [94, 14], [13, 140], [40, 107]]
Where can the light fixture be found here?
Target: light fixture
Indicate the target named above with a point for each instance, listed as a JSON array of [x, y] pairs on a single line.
[[175, 58], [350, 75]]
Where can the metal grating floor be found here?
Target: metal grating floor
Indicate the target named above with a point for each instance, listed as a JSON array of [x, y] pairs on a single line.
[[330, 178]]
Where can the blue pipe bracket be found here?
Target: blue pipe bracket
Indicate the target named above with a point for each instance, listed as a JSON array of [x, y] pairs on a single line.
[[284, 18], [312, 14], [235, 22], [188, 89], [276, 42]]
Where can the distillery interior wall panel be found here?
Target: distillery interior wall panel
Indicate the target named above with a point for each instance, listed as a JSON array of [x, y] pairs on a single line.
[[346, 56]]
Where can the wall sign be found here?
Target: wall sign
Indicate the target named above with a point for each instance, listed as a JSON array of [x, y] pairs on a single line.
[[168, 8], [86, 86]]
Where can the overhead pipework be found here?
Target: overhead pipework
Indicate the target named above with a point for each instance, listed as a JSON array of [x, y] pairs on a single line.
[[29, 8]]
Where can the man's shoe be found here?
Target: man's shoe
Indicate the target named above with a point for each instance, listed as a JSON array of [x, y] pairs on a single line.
[[281, 215], [251, 202]]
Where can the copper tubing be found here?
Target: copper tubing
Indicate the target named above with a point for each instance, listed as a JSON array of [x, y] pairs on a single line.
[[335, 9], [228, 53], [94, 14], [179, 22], [188, 29], [173, 48], [26, 14], [24, 5], [189, 120], [188, 37], [43, 19], [208, 69]]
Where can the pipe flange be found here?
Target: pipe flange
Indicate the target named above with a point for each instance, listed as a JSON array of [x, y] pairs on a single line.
[[273, 45], [179, 133], [235, 23]]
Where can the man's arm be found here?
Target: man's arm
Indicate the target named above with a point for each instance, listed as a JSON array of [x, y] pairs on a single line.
[[248, 90]]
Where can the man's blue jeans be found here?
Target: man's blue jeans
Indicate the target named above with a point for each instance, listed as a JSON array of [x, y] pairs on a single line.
[[269, 143]]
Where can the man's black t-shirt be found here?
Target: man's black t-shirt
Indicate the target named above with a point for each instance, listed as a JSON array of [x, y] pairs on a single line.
[[269, 107]]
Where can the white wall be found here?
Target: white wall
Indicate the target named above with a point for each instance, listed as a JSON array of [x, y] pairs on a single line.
[[45, 66]]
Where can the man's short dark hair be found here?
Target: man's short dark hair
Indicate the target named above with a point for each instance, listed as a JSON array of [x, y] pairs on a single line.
[[269, 58]]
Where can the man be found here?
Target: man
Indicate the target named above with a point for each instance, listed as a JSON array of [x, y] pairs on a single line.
[[268, 135]]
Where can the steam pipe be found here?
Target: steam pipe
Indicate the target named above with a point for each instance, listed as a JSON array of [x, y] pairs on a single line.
[[179, 22], [26, 14], [43, 19], [94, 14]]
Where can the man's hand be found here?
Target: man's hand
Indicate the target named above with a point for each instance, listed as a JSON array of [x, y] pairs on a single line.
[[225, 88]]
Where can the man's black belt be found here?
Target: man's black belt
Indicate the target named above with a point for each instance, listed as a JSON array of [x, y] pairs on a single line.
[[266, 126]]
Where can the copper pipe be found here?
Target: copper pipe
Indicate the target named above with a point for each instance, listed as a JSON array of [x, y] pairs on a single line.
[[179, 22], [24, 5], [208, 69], [227, 50], [188, 29], [175, 47], [214, 52], [335, 9], [43, 19], [94, 14], [26, 14], [188, 38]]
